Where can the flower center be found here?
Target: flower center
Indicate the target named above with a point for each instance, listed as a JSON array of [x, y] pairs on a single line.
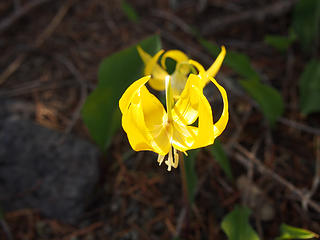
[[173, 158]]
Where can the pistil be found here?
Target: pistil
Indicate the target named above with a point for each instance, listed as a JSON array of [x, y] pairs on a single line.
[[169, 98]]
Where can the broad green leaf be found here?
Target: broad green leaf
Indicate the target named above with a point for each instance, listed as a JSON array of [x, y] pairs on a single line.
[[281, 43], [241, 64], [289, 232], [101, 112], [130, 12], [191, 175], [238, 62], [306, 22], [236, 225], [96, 112], [221, 157], [309, 87], [268, 99]]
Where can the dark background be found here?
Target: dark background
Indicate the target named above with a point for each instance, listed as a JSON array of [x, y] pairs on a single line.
[[56, 184]]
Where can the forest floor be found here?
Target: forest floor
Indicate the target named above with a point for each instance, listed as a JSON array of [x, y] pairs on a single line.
[[275, 168]]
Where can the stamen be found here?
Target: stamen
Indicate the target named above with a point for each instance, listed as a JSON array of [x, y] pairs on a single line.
[[169, 162], [173, 159], [176, 158], [160, 159]]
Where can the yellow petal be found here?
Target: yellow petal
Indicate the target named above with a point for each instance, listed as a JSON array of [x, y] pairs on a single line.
[[197, 65], [215, 67], [221, 124], [201, 73], [135, 132], [144, 123], [154, 69], [144, 55], [204, 132], [128, 95], [152, 63], [190, 137], [183, 136], [154, 113], [157, 82], [176, 55], [186, 108]]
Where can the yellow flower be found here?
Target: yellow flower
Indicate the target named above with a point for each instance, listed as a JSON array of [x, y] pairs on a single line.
[[183, 68], [150, 127]]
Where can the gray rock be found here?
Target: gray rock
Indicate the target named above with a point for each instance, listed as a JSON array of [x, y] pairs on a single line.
[[38, 170]]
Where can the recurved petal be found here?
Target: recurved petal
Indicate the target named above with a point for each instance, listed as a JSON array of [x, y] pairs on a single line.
[[150, 65], [158, 74], [144, 124], [154, 113], [144, 55], [198, 66], [176, 55], [204, 132], [186, 108], [135, 132], [131, 91], [215, 67], [157, 81], [213, 70], [221, 124], [203, 79]]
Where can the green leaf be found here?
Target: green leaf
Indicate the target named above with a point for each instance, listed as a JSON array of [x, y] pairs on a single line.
[[191, 175], [101, 112], [309, 87], [241, 64], [238, 62], [96, 112], [306, 22], [236, 225], [281, 43], [176, 238], [268, 99], [129, 11], [221, 157], [289, 232]]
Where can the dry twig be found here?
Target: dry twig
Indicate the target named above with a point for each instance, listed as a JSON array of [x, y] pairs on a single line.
[[84, 231], [83, 93], [299, 126], [31, 86], [173, 19], [275, 9], [19, 12], [39, 41], [246, 157], [316, 178]]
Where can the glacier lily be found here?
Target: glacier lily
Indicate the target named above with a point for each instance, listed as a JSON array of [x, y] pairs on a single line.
[[149, 126]]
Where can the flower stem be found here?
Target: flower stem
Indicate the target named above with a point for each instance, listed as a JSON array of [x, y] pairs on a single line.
[[183, 180]]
